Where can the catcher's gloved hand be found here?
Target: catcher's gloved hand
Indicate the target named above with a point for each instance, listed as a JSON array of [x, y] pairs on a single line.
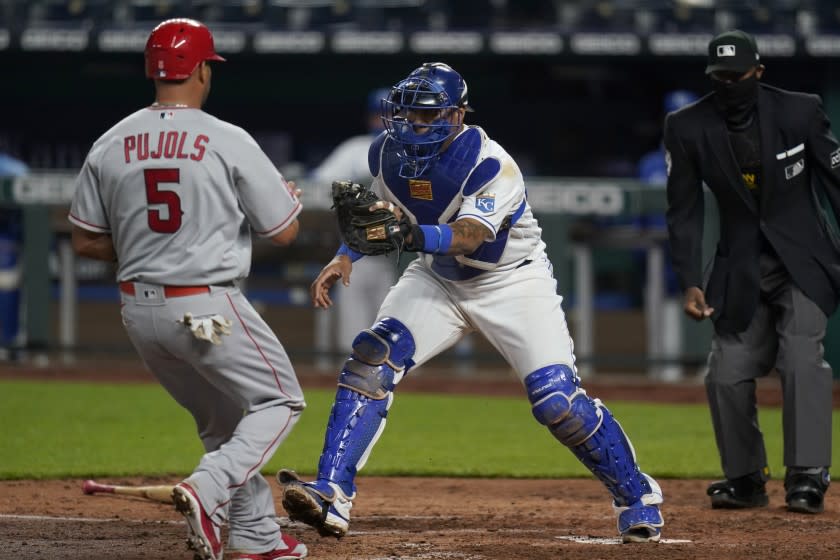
[[370, 232]]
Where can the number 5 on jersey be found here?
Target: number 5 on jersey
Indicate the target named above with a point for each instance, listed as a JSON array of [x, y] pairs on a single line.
[[156, 196]]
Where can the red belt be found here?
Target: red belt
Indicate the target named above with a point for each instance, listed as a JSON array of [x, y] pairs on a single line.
[[169, 291]]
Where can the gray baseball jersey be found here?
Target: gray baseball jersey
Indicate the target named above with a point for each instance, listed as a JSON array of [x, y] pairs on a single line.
[[179, 191]]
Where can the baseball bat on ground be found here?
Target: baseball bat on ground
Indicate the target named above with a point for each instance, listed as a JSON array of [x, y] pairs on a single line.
[[155, 493]]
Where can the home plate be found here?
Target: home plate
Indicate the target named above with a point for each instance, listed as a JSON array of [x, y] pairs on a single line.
[[604, 540]]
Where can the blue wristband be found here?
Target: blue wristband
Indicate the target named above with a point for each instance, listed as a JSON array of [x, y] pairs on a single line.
[[345, 250], [437, 239]]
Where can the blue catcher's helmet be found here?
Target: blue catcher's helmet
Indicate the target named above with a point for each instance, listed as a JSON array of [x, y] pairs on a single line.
[[430, 94]]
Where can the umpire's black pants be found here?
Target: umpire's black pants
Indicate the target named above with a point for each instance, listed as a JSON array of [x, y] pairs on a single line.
[[787, 332]]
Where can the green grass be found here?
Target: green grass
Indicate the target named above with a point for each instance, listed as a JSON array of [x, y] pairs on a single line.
[[56, 429]]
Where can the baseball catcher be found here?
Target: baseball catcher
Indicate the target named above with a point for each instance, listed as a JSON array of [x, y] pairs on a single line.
[[482, 268]]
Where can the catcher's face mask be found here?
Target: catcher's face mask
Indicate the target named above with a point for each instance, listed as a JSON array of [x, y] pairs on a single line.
[[419, 115]]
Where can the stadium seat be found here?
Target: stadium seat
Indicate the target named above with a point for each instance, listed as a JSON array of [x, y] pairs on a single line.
[[465, 15], [612, 16], [237, 12], [149, 10], [528, 14], [71, 12], [395, 14], [757, 18], [310, 14], [828, 16], [10, 13], [683, 18]]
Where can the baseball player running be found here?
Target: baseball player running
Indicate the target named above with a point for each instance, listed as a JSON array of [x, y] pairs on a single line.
[[172, 193], [482, 267]]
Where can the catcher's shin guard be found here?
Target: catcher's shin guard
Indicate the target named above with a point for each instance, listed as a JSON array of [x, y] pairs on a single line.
[[380, 357], [588, 428]]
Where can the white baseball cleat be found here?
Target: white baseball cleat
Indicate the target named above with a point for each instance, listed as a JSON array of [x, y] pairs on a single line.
[[320, 504]]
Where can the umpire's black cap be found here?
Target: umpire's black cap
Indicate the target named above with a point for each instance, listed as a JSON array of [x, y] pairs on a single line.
[[732, 51]]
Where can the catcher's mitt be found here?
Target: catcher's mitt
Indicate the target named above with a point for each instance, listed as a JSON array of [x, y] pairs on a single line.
[[368, 232]]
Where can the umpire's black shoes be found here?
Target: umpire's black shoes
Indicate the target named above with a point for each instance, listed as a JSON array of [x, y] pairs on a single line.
[[805, 489], [737, 493]]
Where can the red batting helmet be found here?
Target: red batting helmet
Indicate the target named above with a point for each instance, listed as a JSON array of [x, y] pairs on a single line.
[[176, 47]]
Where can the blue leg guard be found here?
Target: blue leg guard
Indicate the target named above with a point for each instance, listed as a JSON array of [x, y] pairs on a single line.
[[589, 430], [380, 357]]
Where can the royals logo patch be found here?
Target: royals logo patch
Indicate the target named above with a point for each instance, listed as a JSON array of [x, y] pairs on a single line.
[[486, 202], [420, 189]]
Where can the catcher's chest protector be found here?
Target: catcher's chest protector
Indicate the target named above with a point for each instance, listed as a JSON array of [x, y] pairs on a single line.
[[428, 196]]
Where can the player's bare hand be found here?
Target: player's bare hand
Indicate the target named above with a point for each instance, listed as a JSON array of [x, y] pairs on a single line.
[[694, 304], [293, 189], [340, 267], [389, 206]]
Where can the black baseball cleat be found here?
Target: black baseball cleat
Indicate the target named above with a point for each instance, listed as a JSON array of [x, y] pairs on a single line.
[[805, 491], [738, 493]]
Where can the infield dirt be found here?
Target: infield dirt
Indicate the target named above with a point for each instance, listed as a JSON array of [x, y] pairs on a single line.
[[429, 518]]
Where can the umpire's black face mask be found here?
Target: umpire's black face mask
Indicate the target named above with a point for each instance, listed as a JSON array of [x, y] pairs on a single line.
[[736, 99]]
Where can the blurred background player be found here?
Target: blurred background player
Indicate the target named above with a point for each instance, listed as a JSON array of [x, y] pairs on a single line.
[[653, 171], [11, 240], [172, 194], [482, 267], [360, 296], [652, 166]]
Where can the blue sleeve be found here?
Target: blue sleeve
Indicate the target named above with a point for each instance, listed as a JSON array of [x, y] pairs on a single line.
[[345, 250]]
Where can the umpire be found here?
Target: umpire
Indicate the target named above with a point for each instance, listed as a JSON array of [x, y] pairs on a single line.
[[765, 154]]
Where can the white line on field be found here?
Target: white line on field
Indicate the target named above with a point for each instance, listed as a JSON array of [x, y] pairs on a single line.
[[430, 556], [448, 531], [605, 540]]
